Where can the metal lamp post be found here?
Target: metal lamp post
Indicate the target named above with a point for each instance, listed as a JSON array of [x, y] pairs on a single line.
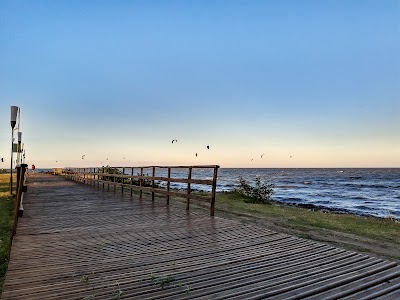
[[19, 147], [14, 112], [21, 156]]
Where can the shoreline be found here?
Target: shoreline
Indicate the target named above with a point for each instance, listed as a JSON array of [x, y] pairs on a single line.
[[338, 211]]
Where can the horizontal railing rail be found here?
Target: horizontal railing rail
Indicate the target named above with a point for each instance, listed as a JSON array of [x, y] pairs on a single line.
[[117, 177]]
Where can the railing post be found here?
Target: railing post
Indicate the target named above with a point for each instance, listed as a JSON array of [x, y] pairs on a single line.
[[152, 183], [123, 180], [18, 171], [168, 184], [188, 189], [140, 182], [21, 173], [102, 176], [131, 180], [213, 192], [114, 178]]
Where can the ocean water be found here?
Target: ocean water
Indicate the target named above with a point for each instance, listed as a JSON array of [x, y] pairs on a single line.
[[373, 192]]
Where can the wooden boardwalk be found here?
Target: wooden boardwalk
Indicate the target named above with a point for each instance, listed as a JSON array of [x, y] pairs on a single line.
[[79, 242]]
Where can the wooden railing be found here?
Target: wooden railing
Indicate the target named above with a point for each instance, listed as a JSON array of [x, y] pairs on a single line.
[[21, 189], [117, 177]]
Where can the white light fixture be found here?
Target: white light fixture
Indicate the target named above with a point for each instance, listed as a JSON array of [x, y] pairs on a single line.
[[14, 112]]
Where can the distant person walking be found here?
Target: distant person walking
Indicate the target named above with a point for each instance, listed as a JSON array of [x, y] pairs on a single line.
[[33, 169]]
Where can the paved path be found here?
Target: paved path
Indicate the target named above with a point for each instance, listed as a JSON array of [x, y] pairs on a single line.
[[79, 242]]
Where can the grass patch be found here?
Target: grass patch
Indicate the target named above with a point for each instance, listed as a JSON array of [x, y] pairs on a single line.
[[379, 229], [6, 221]]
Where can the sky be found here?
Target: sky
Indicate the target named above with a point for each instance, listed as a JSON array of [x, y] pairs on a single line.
[[307, 83]]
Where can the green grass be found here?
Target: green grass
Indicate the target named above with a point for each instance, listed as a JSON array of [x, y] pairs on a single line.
[[6, 221], [379, 229]]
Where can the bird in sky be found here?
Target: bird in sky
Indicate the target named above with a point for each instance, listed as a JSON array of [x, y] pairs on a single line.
[[208, 147], [196, 154], [262, 155], [290, 156], [83, 156], [2, 159], [107, 158], [124, 157], [174, 141], [251, 159]]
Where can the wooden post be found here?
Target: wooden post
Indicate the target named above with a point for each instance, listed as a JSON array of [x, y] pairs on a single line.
[[123, 181], [115, 186], [168, 184], [102, 176], [21, 173], [108, 179], [213, 192], [188, 189], [131, 180], [84, 175], [140, 182], [152, 183]]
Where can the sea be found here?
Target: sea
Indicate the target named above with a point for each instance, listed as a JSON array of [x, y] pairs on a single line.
[[367, 192]]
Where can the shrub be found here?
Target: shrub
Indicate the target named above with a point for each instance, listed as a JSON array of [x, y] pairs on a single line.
[[260, 193]]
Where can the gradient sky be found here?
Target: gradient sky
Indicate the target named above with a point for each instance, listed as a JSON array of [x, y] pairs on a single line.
[[315, 80]]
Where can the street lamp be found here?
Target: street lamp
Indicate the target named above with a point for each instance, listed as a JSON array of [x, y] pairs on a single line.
[[14, 112]]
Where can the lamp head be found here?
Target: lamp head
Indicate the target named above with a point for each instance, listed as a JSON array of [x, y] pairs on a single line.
[[14, 112]]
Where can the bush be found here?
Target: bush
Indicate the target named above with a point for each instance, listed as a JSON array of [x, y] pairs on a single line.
[[260, 193]]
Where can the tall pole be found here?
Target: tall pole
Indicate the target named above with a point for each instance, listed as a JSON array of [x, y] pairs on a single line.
[[13, 121], [11, 167], [19, 146]]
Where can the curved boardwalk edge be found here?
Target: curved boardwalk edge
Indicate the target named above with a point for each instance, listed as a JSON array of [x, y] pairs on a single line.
[[78, 242]]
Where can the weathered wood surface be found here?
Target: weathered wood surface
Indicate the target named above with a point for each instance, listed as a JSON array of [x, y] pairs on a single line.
[[80, 242]]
